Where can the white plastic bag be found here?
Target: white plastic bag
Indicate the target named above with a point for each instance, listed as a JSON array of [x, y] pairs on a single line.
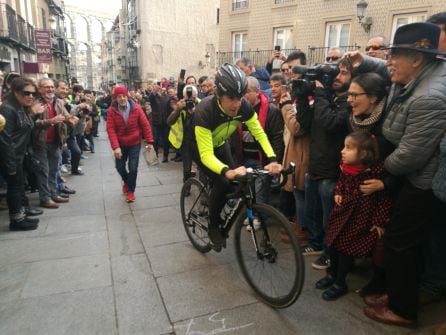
[[150, 157]]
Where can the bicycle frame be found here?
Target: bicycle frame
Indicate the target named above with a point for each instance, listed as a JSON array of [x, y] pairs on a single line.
[[249, 199]]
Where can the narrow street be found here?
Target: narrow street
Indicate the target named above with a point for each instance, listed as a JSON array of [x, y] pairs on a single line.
[[98, 265]]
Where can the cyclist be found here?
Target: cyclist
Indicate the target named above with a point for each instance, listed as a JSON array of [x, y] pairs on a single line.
[[216, 118]]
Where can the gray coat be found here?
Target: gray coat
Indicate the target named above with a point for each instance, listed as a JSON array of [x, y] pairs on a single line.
[[415, 124]]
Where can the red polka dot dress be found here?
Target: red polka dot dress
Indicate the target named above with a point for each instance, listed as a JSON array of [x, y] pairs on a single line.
[[351, 221]]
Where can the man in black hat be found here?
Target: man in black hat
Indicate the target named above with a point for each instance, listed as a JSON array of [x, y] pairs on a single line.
[[415, 124]]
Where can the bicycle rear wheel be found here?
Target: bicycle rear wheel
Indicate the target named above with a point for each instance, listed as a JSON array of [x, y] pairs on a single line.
[[195, 213], [276, 272]]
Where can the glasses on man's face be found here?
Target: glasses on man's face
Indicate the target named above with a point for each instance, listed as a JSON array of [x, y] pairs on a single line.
[[354, 95], [28, 93], [332, 58], [373, 47]]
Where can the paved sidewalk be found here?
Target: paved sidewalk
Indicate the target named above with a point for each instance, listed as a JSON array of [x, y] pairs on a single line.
[[98, 265]]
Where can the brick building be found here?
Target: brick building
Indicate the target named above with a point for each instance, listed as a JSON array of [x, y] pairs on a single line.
[[313, 25]]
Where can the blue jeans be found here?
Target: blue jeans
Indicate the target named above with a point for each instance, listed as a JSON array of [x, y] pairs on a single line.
[[319, 201], [299, 196], [132, 155]]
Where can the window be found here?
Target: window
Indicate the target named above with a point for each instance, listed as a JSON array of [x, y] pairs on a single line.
[[239, 4], [278, 2], [337, 34], [284, 37], [402, 19], [239, 44]]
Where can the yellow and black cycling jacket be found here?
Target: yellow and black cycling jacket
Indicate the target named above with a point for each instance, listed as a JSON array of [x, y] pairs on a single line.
[[213, 127]]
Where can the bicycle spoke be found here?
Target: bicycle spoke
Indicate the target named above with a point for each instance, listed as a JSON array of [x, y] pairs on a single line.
[[276, 275], [195, 213]]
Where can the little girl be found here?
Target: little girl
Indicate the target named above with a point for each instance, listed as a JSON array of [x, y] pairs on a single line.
[[357, 220]]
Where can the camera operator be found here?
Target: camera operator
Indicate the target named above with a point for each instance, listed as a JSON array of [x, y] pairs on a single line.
[[297, 116], [180, 122], [328, 130]]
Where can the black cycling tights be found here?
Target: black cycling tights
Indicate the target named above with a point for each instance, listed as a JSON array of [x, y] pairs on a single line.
[[221, 185]]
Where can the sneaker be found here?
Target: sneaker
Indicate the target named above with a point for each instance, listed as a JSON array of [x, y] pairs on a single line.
[[124, 188], [130, 197], [308, 250], [63, 169], [84, 157], [256, 223], [322, 263]]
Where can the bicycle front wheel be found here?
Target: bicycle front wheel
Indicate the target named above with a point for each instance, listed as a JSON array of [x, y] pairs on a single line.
[[276, 270], [195, 213]]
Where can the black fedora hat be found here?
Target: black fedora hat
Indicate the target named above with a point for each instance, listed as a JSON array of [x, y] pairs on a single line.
[[419, 36]]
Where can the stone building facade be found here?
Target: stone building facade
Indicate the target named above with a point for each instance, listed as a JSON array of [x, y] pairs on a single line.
[[170, 35], [306, 24]]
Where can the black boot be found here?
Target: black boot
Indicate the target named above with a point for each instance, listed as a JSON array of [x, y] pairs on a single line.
[[24, 224]]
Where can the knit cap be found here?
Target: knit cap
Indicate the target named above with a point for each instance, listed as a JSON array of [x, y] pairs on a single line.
[[120, 90]]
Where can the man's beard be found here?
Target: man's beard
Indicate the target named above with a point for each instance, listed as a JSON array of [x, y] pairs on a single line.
[[343, 88]]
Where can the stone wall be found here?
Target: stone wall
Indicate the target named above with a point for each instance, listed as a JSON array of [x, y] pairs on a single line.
[[176, 34]]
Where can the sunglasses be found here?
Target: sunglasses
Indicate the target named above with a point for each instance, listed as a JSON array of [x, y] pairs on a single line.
[[373, 47], [28, 93], [333, 58]]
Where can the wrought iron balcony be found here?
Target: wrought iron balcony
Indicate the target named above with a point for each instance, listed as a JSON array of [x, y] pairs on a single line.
[[31, 41], [8, 23], [22, 30]]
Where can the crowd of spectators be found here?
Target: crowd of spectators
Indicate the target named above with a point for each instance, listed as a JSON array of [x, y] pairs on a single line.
[[368, 143]]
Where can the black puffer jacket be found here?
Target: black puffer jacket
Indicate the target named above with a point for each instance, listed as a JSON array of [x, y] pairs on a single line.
[[14, 139]]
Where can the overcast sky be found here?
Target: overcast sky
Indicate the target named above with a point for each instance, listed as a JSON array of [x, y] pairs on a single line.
[[106, 6]]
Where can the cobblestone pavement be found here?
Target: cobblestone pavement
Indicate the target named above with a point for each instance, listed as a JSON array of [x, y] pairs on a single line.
[[98, 265]]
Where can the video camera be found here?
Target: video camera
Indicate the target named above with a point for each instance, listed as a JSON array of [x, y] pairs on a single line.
[[304, 87], [190, 101]]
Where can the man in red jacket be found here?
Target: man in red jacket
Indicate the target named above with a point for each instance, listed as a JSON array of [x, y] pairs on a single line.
[[125, 123]]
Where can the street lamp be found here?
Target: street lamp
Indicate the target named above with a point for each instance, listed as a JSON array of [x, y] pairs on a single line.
[[366, 22]]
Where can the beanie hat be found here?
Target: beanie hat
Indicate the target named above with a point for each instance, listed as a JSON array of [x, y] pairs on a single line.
[[120, 90]]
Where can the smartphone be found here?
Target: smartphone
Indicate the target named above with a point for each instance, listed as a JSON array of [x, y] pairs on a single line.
[[277, 48], [286, 88], [182, 73]]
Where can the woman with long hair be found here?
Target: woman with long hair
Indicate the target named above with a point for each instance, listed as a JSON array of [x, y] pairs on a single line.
[[14, 140]]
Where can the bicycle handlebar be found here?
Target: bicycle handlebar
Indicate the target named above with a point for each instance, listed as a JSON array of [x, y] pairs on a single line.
[[254, 173]]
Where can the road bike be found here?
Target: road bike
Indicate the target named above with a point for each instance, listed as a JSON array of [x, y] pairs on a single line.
[[267, 248]]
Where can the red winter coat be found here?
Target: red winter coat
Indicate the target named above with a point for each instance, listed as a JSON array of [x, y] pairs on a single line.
[[350, 223], [126, 135]]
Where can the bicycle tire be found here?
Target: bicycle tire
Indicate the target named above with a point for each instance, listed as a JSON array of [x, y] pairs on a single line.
[[277, 278], [195, 213]]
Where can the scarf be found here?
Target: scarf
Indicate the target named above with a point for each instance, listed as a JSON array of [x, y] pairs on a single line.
[[357, 123], [353, 169], [125, 112]]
